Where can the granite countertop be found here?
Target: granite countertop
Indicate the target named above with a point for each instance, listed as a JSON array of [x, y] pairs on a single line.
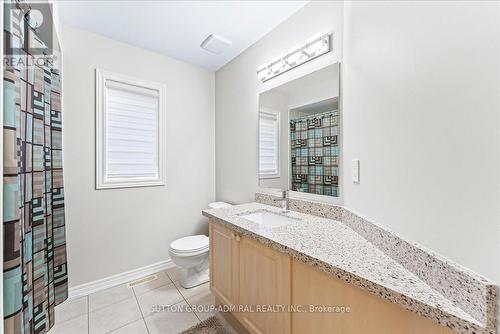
[[335, 248]]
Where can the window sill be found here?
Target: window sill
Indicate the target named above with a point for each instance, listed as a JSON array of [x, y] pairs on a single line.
[[130, 184], [272, 176]]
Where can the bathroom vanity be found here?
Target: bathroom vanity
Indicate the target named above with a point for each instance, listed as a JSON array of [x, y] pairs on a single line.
[[361, 277], [309, 261]]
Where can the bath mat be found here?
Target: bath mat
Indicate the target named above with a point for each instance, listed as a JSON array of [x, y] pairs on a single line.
[[212, 325]]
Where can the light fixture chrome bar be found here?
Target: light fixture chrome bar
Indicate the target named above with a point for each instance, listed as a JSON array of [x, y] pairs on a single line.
[[309, 51]]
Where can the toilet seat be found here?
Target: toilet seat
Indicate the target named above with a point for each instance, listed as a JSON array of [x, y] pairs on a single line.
[[192, 245]]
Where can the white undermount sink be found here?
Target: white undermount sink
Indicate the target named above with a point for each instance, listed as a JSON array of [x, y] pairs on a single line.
[[268, 218]]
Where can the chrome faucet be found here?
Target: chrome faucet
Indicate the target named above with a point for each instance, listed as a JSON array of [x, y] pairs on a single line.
[[283, 201]]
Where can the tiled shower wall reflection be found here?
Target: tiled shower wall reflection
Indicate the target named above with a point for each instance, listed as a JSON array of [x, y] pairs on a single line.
[[315, 153]]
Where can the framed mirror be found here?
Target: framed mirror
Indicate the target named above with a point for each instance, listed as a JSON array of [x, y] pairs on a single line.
[[300, 136]]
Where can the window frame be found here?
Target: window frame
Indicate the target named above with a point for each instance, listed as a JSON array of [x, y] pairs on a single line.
[[102, 181], [276, 113]]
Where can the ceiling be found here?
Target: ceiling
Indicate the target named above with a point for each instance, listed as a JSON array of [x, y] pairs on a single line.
[[319, 107], [327, 75], [177, 28]]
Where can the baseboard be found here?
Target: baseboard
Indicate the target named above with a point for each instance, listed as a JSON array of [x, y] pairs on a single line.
[[110, 281]]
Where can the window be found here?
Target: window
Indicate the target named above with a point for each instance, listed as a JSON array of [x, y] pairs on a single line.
[[129, 131], [269, 132]]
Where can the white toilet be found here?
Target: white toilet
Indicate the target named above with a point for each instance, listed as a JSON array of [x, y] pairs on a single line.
[[191, 255]]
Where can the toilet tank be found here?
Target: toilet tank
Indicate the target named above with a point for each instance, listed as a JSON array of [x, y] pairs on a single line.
[[218, 205]]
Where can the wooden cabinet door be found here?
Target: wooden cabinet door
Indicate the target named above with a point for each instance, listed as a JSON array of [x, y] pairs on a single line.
[[264, 280], [224, 256], [368, 313]]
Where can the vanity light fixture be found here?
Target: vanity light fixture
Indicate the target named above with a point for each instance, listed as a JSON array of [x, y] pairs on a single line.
[[297, 56]]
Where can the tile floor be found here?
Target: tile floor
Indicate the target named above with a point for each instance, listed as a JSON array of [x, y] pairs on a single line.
[[124, 310]]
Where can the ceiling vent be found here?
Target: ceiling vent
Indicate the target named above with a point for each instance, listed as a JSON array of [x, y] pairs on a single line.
[[215, 44]]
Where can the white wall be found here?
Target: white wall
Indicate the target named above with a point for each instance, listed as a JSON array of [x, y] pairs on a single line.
[[421, 108], [237, 95], [421, 101], [112, 231]]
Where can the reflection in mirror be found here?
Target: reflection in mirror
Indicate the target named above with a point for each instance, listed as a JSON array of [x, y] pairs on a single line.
[[299, 134]]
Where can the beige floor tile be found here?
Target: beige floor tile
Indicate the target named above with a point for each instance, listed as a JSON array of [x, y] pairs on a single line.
[[187, 293], [71, 309], [202, 303], [174, 273], [78, 325], [164, 295], [161, 279], [114, 316], [109, 296], [170, 322], [137, 327]]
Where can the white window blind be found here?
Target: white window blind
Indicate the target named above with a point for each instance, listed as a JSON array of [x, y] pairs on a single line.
[[269, 124], [129, 132]]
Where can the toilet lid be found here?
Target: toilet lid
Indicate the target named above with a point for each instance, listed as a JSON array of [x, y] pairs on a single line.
[[219, 205], [190, 244]]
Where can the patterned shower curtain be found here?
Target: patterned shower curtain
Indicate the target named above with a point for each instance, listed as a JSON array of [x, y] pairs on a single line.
[[315, 153], [35, 271]]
